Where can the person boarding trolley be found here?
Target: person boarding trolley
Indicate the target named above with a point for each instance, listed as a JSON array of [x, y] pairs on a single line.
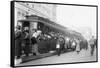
[[34, 42]]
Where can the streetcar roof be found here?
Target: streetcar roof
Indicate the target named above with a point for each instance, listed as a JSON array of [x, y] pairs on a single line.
[[53, 25]]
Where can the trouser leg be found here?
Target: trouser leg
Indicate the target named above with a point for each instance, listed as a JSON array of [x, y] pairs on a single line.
[[35, 49], [19, 51], [58, 51], [92, 50], [78, 52]]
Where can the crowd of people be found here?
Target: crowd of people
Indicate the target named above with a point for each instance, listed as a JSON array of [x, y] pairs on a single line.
[[24, 44], [77, 45], [93, 44]]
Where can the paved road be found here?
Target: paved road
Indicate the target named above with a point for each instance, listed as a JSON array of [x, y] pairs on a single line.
[[83, 56]]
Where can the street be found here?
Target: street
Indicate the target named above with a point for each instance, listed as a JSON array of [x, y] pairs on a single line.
[[69, 57]]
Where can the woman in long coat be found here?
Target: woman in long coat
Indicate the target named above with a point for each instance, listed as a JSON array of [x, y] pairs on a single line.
[[27, 44], [92, 43], [59, 46], [18, 41], [78, 46]]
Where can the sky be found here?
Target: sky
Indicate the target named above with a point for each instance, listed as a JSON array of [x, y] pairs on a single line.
[[79, 18]]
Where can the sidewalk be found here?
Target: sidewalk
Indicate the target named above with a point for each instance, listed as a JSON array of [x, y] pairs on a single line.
[[26, 59], [30, 58]]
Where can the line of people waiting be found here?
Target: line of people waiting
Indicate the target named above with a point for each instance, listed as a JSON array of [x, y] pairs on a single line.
[[20, 47]]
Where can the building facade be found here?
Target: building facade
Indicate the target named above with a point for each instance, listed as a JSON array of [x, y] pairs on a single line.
[[43, 10]]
